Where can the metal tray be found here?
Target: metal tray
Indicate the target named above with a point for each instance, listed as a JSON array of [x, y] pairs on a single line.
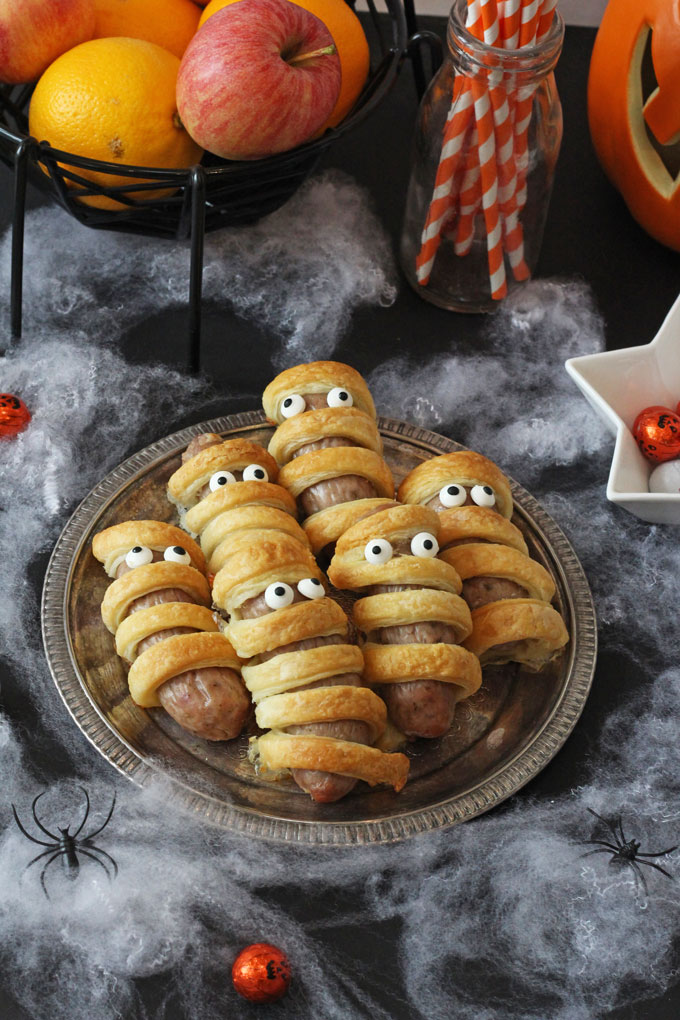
[[501, 737]]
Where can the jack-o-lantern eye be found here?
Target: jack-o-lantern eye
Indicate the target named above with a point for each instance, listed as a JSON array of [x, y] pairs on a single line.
[[138, 556]]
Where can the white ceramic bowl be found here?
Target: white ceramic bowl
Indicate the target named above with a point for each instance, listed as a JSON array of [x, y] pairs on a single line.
[[619, 384]]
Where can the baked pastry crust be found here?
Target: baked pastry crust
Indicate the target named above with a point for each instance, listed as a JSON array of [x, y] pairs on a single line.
[[316, 377], [254, 564], [297, 622], [535, 631], [465, 467], [276, 751], [323, 704], [176, 655], [478, 523], [394, 609], [326, 526], [450, 664], [481, 559], [247, 518], [235, 541], [231, 455], [231, 497], [357, 573], [148, 578], [398, 523], [112, 545], [334, 462], [349, 423], [145, 622], [290, 670]]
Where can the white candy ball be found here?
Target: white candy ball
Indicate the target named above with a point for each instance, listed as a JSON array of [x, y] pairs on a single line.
[[665, 477]]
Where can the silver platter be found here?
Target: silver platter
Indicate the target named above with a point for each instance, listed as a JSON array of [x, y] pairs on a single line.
[[501, 738]]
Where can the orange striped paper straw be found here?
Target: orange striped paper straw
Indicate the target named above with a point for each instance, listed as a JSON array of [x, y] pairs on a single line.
[[469, 197], [510, 24], [489, 177], [528, 22]]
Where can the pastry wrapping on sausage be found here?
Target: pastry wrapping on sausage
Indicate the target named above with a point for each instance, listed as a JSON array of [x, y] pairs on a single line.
[[411, 616], [303, 672], [228, 487], [328, 447], [157, 606], [527, 631], [473, 500]]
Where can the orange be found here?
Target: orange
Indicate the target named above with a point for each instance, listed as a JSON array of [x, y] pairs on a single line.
[[168, 23], [350, 42], [113, 100]]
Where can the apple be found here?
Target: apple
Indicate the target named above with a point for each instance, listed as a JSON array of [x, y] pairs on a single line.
[[259, 77], [33, 33]]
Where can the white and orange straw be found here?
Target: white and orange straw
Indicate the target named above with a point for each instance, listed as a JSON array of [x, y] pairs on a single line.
[[484, 157]]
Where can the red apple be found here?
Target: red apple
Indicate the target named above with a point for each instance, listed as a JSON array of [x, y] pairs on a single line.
[[33, 33], [259, 77]]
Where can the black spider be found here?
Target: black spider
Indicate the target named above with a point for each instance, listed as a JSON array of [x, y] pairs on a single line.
[[67, 845], [626, 853]]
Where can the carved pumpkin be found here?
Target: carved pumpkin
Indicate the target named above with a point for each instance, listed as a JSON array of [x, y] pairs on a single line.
[[634, 110]]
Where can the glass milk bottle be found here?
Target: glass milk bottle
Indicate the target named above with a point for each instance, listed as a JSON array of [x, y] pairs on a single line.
[[486, 143]]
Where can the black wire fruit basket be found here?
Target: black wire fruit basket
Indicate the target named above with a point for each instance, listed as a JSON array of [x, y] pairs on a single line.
[[213, 194]]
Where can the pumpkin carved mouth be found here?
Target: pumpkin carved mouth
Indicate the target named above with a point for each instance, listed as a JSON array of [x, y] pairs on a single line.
[[650, 110]]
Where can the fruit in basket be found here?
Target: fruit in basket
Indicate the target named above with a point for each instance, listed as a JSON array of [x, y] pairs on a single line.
[[350, 41], [259, 77], [168, 23], [634, 110], [114, 100], [34, 32]]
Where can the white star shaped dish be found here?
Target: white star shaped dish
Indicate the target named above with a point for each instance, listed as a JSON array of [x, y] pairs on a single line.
[[620, 384]]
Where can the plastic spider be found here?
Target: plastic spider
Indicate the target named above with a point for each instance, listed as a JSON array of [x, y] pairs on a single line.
[[625, 853], [67, 845]]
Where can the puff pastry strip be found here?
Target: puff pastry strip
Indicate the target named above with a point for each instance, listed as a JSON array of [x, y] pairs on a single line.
[[253, 565], [316, 377], [143, 580], [246, 518], [145, 622], [111, 546], [449, 664], [348, 423], [323, 704], [298, 622], [175, 655], [399, 608], [463, 467], [326, 526], [231, 497], [478, 524], [289, 670], [276, 751], [485, 560], [517, 630], [231, 455], [334, 462]]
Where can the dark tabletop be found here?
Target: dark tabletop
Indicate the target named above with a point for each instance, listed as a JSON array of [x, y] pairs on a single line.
[[589, 236]]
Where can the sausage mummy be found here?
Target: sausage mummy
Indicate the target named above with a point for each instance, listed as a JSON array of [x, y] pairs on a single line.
[[303, 674], [328, 446], [227, 495], [507, 591], [411, 615], [158, 609]]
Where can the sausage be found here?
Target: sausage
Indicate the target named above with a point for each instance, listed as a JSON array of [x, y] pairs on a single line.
[[343, 489], [211, 703], [419, 708], [323, 444], [199, 443], [477, 591], [322, 787]]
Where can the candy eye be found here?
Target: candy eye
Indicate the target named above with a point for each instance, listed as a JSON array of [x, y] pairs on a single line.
[[311, 588], [483, 495], [255, 473], [424, 544], [138, 556], [279, 595], [338, 397], [219, 479], [292, 405], [177, 554], [452, 495], [378, 550]]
